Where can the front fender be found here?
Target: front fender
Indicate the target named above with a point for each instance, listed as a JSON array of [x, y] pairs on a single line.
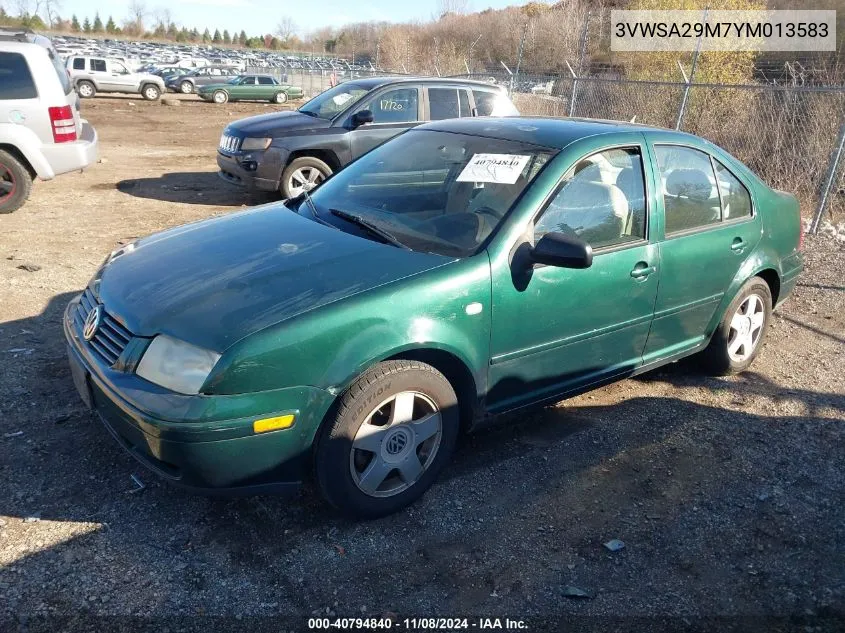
[[29, 145]]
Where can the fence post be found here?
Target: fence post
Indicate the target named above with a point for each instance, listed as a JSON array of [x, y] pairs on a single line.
[[682, 110], [835, 157], [519, 55], [574, 91]]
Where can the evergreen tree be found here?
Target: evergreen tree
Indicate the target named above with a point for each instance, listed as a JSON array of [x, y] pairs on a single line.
[[194, 35], [217, 38], [227, 39], [98, 23], [111, 27], [206, 36], [86, 26], [74, 24], [242, 38], [172, 31]]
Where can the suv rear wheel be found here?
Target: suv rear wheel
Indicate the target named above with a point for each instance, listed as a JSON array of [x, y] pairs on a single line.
[[15, 183], [303, 174], [86, 89], [150, 92]]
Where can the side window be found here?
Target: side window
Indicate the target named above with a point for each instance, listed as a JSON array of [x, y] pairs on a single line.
[[265, 81], [248, 81], [79, 63], [690, 194], [736, 201], [396, 106], [15, 79], [98, 65], [485, 102], [602, 200], [443, 103], [118, 68]]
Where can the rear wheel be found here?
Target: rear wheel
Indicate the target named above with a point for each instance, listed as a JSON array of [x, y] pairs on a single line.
[[739, 337], [150, 92], [186, 87], [280, 97], [392, 433], [220, 96], [15, 183], [303, 174], [86, 89]]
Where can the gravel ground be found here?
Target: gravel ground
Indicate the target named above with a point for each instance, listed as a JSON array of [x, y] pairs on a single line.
[[727, 493]]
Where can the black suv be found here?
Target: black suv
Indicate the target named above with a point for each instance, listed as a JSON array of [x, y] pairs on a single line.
[[294, 151]]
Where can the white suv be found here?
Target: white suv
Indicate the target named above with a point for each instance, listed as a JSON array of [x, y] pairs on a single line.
[[91, 75], [41, 131]]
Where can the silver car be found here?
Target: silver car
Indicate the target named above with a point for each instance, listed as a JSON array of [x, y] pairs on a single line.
[[91, 75], [41, 131]]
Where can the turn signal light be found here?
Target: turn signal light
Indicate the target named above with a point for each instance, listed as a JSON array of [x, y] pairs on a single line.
[[273, 424]]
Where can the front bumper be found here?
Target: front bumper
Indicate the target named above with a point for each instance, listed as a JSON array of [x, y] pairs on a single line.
[[199, 442], [66, 157], [266, 175]]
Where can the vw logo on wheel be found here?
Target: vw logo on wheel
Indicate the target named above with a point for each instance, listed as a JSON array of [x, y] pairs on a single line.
[[396, 443], [92, 322]]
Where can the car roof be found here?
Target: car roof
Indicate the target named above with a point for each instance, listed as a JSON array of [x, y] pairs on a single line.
[[375, 82], [544, 131]]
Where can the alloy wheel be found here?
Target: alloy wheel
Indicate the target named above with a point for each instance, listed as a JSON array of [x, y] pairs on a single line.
[[304, 179], [7, 183], [396, 444], [85, 90], [746, 327], [186, 87]]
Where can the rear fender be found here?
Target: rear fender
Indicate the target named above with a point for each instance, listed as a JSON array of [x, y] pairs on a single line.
[[27, 143]]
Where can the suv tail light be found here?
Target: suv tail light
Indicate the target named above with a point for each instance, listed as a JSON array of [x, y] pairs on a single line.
[[64, 125]]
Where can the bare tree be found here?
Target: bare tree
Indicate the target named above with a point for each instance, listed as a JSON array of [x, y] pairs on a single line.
[[137, 13], [286, 28], [451, 7], [51, 11], [163, 16]]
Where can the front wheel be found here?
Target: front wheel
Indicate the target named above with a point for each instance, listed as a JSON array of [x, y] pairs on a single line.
[[220, 97], [392, 433], [280, 97], [15, 183], [151, 92], [303, 174], [186, 87], [739, 336]]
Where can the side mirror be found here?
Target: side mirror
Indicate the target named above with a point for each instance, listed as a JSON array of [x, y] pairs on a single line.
[[361, 117], [562, 251]]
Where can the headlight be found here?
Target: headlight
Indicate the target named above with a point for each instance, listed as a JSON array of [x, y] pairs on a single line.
[[176, 365], [255, 143]]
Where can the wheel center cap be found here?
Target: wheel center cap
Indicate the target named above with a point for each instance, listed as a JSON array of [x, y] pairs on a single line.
[[396, 444], [746, 325]]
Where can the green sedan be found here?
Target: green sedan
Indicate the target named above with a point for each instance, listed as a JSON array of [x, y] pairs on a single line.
[[250, 88], [464, 269]]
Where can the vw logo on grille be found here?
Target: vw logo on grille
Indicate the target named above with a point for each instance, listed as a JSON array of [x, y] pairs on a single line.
[[92, 322], [396, 443]]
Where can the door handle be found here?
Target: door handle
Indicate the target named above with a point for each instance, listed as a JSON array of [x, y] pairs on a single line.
[[642, 270], [738, 245]]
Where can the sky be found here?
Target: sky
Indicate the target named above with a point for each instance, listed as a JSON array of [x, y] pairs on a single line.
[[257, 16]]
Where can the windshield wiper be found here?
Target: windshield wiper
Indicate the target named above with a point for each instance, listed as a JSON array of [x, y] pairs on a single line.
[[369, 226], [313, 208], [310, 113]]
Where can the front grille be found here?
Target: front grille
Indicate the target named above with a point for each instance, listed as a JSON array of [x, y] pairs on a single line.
[[111, 337], [229, 143]]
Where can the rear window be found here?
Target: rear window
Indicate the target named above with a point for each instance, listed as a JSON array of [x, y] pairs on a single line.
[[485, 102], [15, 79], [61, 71]]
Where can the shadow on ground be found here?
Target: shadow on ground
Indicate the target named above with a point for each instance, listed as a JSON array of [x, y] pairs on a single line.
[[192, 188]]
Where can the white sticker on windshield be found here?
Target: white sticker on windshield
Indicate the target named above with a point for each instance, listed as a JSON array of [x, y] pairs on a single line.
[[341, 98], [499, 168]]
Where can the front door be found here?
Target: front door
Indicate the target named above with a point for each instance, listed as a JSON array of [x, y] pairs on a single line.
[[562, 329], [121, 79], [710, 231], [394, 110]]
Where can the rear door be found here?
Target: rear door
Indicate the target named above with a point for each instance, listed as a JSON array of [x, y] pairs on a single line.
[[709, 229], [395, 109], [448, 102], [98, 70]]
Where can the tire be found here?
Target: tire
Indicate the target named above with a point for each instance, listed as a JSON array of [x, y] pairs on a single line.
[[280, 97], [302, 171], [150, 92], [220, 97], [741, 332], [401, 460], [86, 89], [15, 183], [186, 87]]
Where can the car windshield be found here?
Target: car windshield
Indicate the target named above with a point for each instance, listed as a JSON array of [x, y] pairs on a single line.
[[329, 103], [430, 191]]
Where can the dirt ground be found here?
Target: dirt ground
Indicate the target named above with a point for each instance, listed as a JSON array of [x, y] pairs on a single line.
[[727, 493]]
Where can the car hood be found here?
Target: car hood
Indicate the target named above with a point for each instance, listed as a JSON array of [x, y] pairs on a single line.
[[214, 282], [275, 124]]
